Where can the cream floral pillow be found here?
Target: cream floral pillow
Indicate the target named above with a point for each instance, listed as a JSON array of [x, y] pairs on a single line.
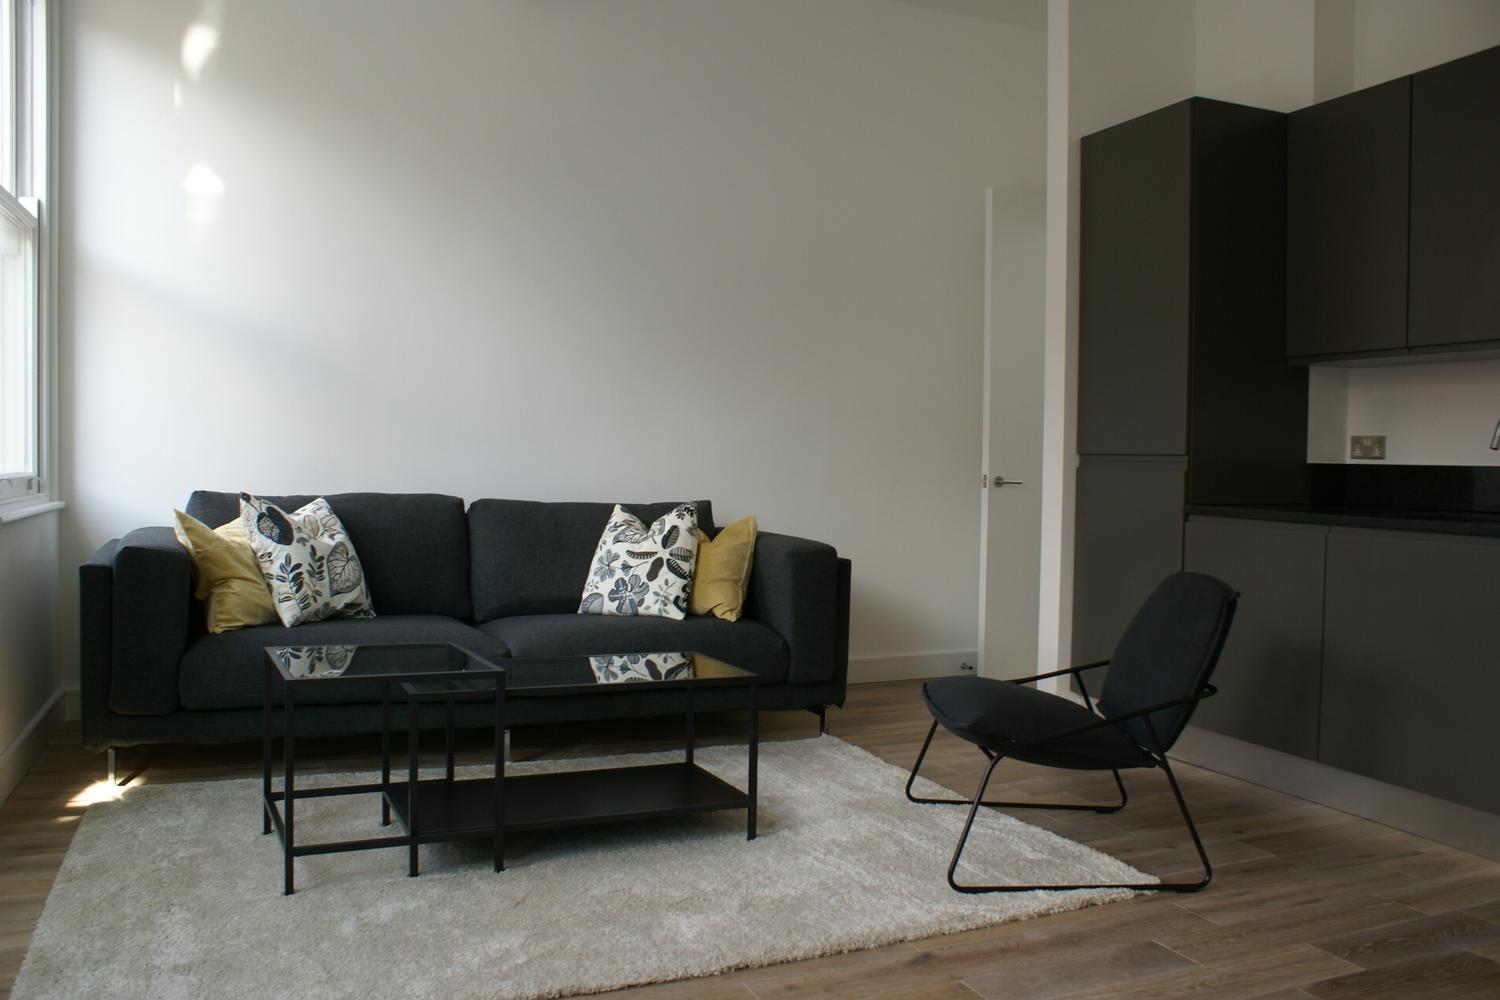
[[643, 571], [307, 560]]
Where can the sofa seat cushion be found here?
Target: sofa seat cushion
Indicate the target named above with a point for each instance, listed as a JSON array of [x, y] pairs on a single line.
[[414, 547], [745, 644], [998, 715], [228, 670]]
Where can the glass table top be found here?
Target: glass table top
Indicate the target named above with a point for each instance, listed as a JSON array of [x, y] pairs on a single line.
[[377, 662]]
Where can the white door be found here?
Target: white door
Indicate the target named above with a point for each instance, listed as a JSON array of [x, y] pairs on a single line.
[[1010, 525]]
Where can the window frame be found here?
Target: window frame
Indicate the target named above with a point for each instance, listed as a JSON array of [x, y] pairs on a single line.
[[28, 144]]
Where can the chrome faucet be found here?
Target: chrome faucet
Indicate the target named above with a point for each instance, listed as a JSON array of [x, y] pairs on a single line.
[[1495, 438]]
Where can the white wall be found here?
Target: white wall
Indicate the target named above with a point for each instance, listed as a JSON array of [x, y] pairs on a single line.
[[1431, 414], [1256, 52], [630, 250], [28, 675], [1395, 37]]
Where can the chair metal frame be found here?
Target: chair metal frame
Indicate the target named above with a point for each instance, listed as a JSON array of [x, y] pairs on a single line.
[[1157, 757]]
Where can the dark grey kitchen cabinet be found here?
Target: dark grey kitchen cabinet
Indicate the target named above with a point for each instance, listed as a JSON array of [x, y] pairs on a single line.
[[1411, 666], [1134, 281], [1128, 536], [1181, 274], [1269, 674], [1347, 171], [1455, 203]]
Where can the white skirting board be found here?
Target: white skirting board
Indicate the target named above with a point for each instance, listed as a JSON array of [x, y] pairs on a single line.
[[16, 759], [1436, 819], [904, 666]]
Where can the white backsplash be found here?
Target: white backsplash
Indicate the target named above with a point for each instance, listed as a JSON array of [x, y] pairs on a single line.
[[1431, 414]]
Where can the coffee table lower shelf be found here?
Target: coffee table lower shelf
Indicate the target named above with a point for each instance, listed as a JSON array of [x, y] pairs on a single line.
[[452, 810]]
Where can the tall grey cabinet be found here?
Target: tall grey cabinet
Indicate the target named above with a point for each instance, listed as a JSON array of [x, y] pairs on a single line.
[[1184, 391]]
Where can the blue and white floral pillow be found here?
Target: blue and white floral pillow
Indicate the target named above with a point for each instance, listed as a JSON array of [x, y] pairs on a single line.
[[314, 661], [643, 571], [630, 668], [307, 561]]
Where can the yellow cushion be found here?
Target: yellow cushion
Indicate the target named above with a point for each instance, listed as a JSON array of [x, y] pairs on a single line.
[[229, 582], [723, 570]]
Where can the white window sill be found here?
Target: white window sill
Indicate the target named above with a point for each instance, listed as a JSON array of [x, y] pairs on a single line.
[[21, 511]]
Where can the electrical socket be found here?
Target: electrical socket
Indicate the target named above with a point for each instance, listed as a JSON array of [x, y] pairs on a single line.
[[1367, 446]]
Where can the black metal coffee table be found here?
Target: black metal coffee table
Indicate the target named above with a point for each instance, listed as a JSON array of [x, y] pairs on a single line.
[[487, 807]]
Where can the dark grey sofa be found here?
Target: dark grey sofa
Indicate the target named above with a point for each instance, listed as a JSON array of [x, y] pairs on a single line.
[[502, 578]]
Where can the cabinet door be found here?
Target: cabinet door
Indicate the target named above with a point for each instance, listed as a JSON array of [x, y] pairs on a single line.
[[1455, 202], [1347, 173], [1128, 537], [1133, 286], [1411, 668], [1268, 675]]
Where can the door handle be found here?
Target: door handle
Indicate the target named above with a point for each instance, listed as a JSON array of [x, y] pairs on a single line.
[[985, 481]]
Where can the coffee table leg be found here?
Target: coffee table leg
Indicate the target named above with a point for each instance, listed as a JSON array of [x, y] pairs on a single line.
[[385, 754], [689, 723], [448, 741], [289, 752], [754, 762], [412, 707], [500, 774], [265, 754]]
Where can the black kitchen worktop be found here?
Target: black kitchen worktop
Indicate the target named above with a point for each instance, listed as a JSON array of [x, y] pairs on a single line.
[[1447, 499], [1450, 522]]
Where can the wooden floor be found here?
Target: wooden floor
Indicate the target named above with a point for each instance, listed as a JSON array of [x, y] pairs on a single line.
[[1305, 902]]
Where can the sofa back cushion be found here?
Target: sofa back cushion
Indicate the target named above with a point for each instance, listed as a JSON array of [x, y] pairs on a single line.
[[531, 558], [414, 547]]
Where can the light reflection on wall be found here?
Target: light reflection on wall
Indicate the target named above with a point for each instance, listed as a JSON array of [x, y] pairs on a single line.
[[202, 185], [204, 188]]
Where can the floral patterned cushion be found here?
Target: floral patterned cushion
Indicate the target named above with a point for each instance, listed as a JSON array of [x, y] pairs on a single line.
[[643, 571], [307, 560], [627, 668]]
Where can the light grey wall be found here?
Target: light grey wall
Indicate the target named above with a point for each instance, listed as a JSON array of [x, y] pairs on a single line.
[[28, 675], [629, 250]]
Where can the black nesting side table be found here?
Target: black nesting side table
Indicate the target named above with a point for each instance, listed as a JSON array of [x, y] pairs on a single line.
[[423, 673]]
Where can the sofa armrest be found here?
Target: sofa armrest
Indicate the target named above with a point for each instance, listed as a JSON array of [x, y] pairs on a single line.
[[149, 614], [794, 590], [96, 581]]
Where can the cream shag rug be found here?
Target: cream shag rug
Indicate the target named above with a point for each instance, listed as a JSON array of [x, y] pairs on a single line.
[[173, 893]]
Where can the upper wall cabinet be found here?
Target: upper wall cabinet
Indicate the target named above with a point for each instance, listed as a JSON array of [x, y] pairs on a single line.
[[1348, 175], [1455, 203]]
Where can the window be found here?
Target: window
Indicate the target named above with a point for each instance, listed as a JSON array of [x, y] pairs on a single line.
[[23, 356]]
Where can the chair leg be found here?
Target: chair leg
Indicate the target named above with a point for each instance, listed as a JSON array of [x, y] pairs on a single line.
[[978, 800], [1135, 886], [1187, 817], [1077, 807]]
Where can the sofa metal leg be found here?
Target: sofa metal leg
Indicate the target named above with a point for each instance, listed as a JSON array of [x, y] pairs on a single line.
[[110, 763], [821, 711]]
